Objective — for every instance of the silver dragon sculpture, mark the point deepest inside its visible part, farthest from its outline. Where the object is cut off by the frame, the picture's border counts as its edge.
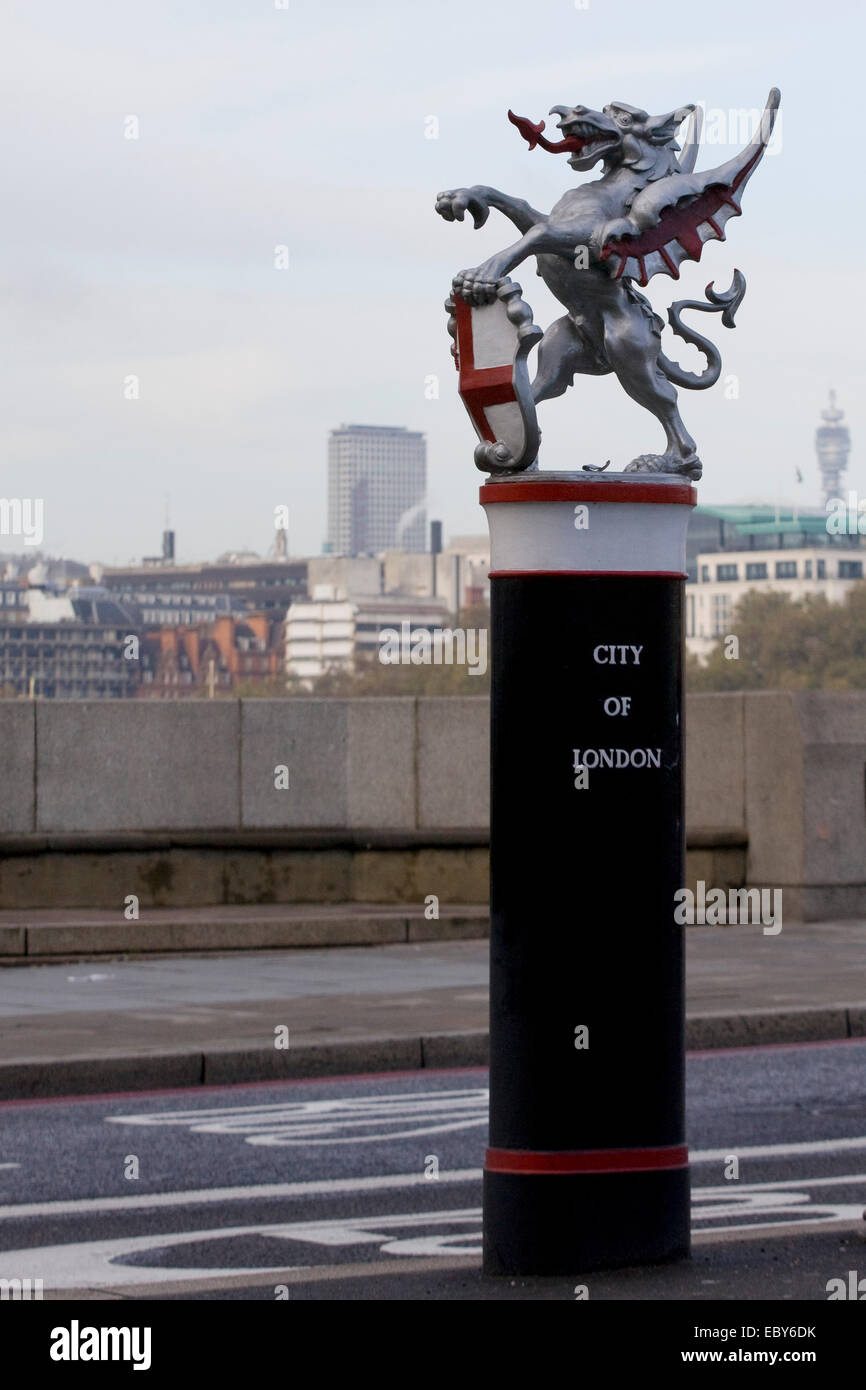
(647, 213)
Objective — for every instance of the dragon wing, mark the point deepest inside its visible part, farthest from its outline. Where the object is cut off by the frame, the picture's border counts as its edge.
(674, 217)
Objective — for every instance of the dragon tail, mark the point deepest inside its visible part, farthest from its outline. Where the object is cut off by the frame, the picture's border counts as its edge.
(726, 304)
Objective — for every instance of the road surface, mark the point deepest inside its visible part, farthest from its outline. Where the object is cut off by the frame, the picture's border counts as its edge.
(370, 1188)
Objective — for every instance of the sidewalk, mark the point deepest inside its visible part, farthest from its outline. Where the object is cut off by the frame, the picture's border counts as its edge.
(41, 934)
(191, 1020)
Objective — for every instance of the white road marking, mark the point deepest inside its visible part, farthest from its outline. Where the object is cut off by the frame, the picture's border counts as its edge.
(342, 1120)
(809, 1146)
(99, 1263)
(720, 1205)
(835, 1181)
(830, 1218)
(336, 1186)
(89, 1264)
(322, 1187)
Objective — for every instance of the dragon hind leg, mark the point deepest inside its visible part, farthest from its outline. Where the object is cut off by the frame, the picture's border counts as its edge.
(563, 354)
(633, 349)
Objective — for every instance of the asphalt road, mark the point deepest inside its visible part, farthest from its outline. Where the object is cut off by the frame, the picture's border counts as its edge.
(370, 1188)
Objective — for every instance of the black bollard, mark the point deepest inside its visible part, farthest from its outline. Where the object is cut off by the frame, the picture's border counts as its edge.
(587, 1165)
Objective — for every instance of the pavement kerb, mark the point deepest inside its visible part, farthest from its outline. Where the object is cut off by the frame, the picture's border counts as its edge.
(43, 1078)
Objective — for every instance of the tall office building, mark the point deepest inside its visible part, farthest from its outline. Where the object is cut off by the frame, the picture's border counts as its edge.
(377, 484)
(832, 445)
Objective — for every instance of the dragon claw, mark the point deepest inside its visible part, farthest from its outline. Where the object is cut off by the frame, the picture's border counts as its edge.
(688, 465)
(475, 288)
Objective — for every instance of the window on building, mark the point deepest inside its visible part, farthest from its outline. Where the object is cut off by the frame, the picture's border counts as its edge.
(756, 570)
(727, 572)
(807, 569)
(850, 569)
(786, 569)
(821, 567)
(705, 574)
(721, 614)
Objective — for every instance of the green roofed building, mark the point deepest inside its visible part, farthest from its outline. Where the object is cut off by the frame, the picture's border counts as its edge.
(763, 545)
(760, 527)
(734, 549)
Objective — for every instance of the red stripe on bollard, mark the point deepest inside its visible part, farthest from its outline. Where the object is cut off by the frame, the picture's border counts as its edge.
(587, 1160)
(582, 574)
(538, 490)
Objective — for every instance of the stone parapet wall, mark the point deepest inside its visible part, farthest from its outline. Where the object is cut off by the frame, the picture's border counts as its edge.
(174, 795)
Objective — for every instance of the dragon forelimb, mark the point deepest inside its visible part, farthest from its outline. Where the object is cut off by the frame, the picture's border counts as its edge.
(517, 210)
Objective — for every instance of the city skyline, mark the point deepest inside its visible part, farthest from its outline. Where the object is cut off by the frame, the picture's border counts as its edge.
(831, 448)
(194, 227)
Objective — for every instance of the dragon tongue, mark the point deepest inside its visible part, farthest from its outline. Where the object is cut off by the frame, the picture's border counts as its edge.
(531, 132)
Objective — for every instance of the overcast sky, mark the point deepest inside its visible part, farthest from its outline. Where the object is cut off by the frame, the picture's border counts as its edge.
(307, 127)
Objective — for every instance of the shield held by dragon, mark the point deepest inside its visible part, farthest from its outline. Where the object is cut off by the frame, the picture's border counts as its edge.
(491, 345)
(647, 213)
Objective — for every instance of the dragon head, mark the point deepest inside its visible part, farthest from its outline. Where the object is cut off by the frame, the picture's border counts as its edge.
(589, 135)
(620, 134)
